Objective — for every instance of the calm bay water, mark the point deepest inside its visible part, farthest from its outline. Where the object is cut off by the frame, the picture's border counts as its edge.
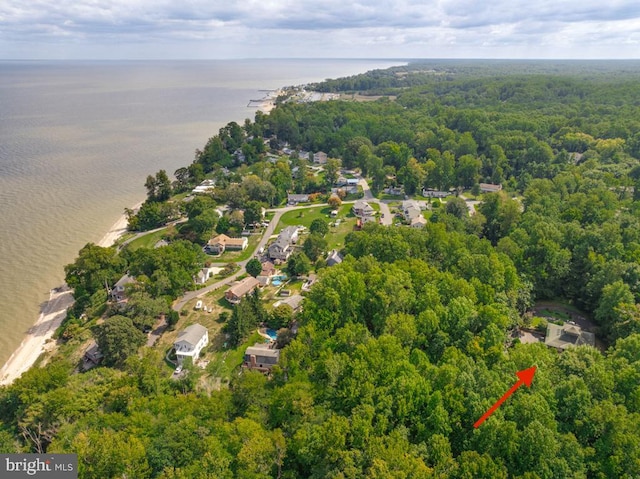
(77, 140)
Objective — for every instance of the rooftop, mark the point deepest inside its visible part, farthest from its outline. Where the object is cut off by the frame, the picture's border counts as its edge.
(567, 335)
(192, 334)
(244, 286)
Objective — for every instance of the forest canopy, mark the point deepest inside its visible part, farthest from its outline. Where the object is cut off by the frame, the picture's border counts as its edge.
(410, 339)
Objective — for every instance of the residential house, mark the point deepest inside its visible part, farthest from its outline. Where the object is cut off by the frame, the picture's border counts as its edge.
(334, 258)
(190, 342)
(567, 335)
(239, 156)
(268, 271)
(206, 273)
(430, 193)
(320, 158)
(311, 279)
(410, 210)
(205, 187)
(239, 290)
(261, 358)
(490, 188)
(282, 247)
(363, 209)
(394, 191)
(295, 199)
(118, 292)
(221, 243)
(418, 222)
(294, 301)
(92, 357)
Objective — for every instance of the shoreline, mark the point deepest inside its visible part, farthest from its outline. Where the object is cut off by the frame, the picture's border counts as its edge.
(38, 337)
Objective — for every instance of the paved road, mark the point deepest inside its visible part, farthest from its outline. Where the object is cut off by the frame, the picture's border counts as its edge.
(144, 233)
(268, 232)
(386, 220)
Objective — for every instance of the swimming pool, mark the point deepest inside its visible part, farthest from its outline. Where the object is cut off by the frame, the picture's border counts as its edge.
(277, 280)
(272, 333)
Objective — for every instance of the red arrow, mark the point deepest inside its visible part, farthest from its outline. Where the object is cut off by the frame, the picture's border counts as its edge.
(525, 377)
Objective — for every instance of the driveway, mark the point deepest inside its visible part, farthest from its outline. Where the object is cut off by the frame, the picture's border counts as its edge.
(385, 214)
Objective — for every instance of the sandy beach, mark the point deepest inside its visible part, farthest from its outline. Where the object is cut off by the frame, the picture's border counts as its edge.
(51, 316)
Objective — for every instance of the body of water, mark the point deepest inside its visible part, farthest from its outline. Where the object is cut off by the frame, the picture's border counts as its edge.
(78, 139)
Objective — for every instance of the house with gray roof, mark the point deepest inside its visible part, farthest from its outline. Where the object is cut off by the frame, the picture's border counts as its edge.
(282, 247)
(293, 199)
(334, 258)
(118, 292)
(362, 209)
(190, 342)
(567, 335)
(261, 358)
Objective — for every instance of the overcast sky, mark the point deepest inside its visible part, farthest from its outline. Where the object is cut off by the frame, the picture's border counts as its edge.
(184, 29)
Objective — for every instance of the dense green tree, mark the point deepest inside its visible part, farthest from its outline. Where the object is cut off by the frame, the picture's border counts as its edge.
(319, 226)
(252, 212)
(314, 246)
(158, 187)
(254, 267)
(118, 338)
(331, 171)
(298, 264)
(96, 268)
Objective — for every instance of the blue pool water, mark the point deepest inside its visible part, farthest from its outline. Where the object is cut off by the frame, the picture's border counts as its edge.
(272, 333)
(277, 280)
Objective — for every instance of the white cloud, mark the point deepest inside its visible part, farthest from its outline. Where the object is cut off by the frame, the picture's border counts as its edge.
(398, 28)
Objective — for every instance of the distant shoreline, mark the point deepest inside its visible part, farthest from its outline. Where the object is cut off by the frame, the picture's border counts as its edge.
(52, 314)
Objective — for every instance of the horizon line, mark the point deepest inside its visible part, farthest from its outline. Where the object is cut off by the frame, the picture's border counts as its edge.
(402, 59)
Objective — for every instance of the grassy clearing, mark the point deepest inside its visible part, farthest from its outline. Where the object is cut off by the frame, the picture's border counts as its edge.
(147, 241)
(388, 197)
(305, 216)
(225, 361)
(337, 234)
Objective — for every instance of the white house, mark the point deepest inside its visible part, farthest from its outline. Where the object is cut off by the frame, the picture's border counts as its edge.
(190, 342)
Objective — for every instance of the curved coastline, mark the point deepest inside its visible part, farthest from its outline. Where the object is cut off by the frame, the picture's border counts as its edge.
(52, 313)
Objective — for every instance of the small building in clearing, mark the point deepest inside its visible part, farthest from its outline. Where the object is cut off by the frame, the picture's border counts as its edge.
(567, 335)
(190, 342)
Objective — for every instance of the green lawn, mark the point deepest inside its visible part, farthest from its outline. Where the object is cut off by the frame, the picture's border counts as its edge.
(303, 217)
(336, 235)
(147, 241)
(225, 361)
(385, 196)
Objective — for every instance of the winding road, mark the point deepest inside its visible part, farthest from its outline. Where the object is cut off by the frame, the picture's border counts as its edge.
(386, 219)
